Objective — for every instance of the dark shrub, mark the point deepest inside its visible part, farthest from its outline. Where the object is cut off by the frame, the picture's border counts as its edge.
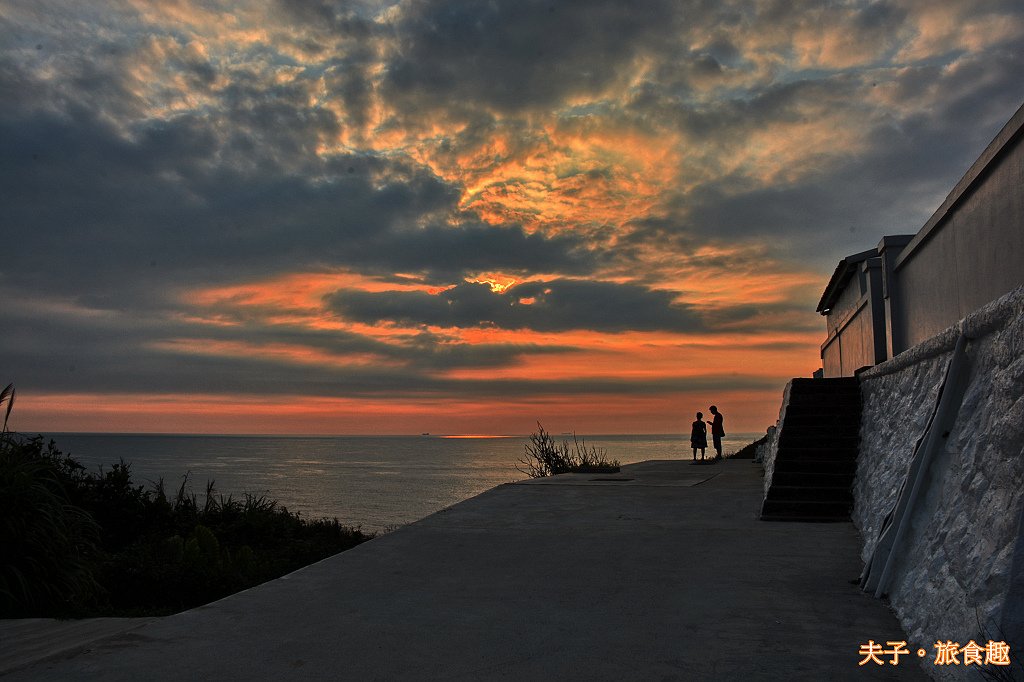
(50, 546)
(79, 543)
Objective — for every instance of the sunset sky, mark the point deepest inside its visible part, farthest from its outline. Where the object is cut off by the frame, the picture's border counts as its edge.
(460, 217)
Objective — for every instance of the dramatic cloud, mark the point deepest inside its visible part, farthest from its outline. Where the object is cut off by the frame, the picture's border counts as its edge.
(405, 209)
(557, 305)
(516, 55)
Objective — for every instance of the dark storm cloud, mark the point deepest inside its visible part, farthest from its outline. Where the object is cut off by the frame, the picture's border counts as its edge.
(109, 355)
(87, 208)
(114, 352)
(245, 375)
(237, 188)
(510, 57)
(901, 171)
(349, 19)
(349, 81)
(514, 55)
(444, 254)
(557, 305)
(144, 153)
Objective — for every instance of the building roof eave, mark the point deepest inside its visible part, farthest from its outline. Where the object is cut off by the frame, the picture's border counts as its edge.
(844, 270)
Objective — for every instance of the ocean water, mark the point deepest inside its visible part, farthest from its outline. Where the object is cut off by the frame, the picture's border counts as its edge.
(372, 482)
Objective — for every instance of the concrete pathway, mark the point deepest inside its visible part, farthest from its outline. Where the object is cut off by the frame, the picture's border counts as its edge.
(660, 572)
(26, 640)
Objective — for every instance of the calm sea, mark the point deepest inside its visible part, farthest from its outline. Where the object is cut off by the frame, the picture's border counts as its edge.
(373, 482)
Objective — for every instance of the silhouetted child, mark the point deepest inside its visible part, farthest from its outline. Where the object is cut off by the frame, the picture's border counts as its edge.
(699, 436)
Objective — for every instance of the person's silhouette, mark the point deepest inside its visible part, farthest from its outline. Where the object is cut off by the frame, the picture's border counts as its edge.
(699, 436)
(717, 430)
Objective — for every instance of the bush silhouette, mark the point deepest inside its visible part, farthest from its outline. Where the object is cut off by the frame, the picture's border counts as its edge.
(546, 457)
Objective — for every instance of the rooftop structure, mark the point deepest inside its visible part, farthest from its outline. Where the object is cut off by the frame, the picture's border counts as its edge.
(907, 289)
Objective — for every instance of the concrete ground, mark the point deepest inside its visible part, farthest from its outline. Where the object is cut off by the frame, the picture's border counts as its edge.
(660, 572)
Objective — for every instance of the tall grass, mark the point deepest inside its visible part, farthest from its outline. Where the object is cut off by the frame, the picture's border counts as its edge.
(7, 396)
(80, 543)
(50, 545)
(545, 457)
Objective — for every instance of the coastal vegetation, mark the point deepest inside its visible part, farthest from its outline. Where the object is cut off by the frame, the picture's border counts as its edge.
(749, 451)
(544, 456)
(79, 543)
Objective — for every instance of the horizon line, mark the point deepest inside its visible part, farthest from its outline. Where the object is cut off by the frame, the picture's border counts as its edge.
(341, 435)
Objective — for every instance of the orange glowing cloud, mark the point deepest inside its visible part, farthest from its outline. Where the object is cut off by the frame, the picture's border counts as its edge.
(576, 176)
(299, 292)
(498, 282)
(275, 352)
(644, 356)
(575, 173)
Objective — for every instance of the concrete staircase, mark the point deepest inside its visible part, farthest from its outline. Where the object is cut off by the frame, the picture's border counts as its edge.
(817, 454)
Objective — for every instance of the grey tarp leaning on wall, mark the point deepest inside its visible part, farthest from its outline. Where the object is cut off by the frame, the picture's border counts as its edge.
(878, 570)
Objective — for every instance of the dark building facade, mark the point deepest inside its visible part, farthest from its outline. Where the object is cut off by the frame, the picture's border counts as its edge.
(885, 300)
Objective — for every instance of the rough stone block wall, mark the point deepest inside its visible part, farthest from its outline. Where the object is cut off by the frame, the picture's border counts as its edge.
(771, 446)
(956, 566)
(896, 408)
(764, 448)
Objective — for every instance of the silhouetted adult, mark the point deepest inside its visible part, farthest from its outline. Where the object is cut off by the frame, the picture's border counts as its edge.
(717, 430)
(699, 436)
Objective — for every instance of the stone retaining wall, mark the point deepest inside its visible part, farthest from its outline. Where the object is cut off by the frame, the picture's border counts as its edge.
(956, 567)
(764, 450)
(771, 446)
